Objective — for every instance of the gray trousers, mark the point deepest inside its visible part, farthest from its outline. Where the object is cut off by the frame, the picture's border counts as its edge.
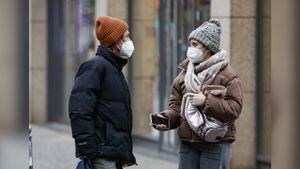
(204, 156)
(101, 163)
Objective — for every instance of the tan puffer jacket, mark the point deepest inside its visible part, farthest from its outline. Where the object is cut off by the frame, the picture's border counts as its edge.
(225, 109)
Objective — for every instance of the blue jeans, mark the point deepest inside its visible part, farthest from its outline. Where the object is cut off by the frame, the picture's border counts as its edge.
(204, 155)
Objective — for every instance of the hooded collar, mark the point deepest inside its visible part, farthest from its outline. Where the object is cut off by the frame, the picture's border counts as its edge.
(113, 58)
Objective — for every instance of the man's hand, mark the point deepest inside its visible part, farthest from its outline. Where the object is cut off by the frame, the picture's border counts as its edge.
(197, 99)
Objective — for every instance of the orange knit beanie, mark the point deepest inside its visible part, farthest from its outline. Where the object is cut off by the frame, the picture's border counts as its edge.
(109, 30)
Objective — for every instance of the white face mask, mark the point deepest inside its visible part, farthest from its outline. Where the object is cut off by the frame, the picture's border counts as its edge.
(127, 49)
(194, 55)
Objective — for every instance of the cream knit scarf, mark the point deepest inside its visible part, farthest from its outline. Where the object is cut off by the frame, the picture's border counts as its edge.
(204, 72)
(195, 78)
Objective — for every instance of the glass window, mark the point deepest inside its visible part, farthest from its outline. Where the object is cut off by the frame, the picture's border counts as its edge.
(176, 20)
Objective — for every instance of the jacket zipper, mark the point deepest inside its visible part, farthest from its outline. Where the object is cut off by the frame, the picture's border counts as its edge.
(128, 109)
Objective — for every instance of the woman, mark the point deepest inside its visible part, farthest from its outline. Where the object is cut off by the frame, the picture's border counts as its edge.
(205, 65)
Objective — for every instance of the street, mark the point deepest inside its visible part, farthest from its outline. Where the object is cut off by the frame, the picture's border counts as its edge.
(53, 148)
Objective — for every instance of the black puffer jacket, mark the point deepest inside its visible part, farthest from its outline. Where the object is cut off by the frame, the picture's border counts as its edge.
(99, 109)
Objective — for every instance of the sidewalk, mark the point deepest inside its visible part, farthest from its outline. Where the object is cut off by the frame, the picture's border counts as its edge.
(53, 148)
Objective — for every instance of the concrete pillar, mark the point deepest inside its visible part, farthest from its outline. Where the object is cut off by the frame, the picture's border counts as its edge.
(11, 49)
(101, 7)
(144, 64)
(285, 137)
(243, 50)
(144, 59)
(71, 62)
(266, 126)
(220, 9)
(117, 9)
(238, 38)
(38, 61)
(100, 10)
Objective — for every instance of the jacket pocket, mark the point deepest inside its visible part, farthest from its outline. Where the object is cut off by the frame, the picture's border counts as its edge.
(86, 146)
(100, 132)
(113, 136)
(117, 145)
(184, 131)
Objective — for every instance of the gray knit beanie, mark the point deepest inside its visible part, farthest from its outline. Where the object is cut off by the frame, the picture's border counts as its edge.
(208, 34)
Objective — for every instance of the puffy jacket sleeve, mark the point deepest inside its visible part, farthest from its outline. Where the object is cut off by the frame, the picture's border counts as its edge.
(226, 108)
(173, 111)
(82, 102)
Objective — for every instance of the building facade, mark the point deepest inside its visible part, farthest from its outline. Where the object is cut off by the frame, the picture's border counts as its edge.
(62, 36)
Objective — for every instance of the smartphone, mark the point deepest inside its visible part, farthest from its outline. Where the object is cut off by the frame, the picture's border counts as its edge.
(159, 119)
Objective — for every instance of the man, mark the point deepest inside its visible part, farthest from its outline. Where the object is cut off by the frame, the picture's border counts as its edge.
(99, 104)
(206, 65)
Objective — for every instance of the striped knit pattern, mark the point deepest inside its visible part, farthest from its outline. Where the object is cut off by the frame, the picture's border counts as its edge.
(109, 30)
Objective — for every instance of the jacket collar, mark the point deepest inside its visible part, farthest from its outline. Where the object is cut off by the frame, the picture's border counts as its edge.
(113, 58)
(183, 65)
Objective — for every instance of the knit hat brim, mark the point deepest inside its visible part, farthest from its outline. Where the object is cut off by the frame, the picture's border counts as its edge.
(209, 43)
(115, 35)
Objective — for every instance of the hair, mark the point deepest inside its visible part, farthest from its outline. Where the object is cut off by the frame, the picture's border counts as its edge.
(200, 43)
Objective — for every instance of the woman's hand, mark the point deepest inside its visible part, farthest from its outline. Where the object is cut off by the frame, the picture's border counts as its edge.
(197, 99)
(159, 127)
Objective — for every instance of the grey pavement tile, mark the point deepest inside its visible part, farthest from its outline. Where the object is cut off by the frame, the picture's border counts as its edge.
(53, 148)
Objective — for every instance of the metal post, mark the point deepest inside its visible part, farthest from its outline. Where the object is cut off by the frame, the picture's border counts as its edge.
(30, 149)
(261, 160)
(56, 57)
(162, 54)
(130, 23)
